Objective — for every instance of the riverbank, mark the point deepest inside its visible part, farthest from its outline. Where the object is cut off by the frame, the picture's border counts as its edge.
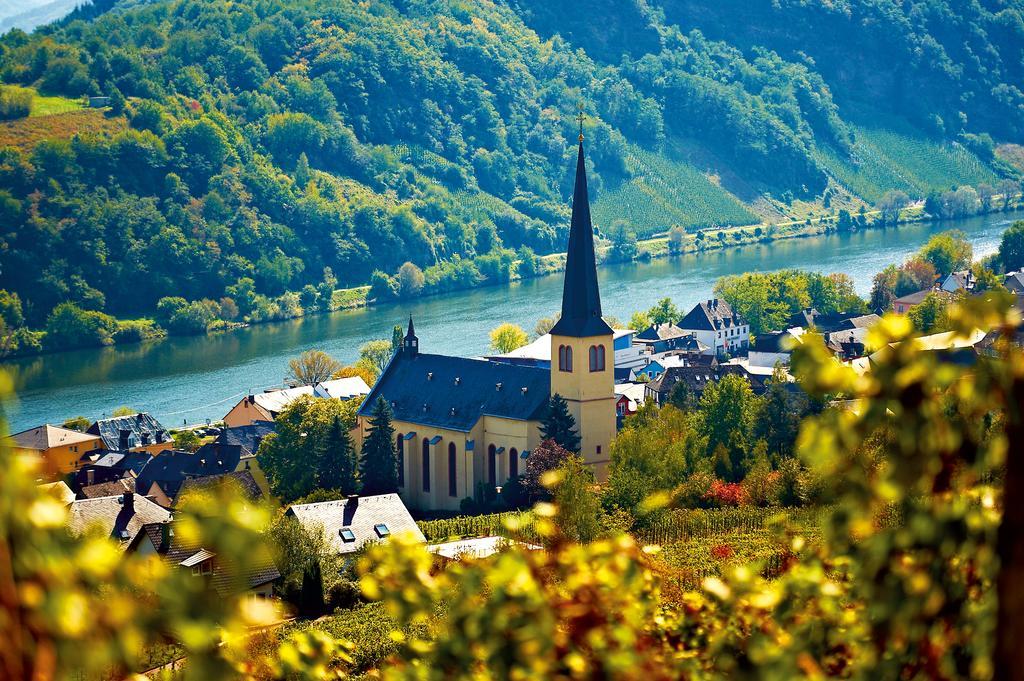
(699, 241)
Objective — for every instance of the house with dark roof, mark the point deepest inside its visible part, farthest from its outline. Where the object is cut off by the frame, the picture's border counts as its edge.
(267, 405)
(697, 378)
(461, 422)
(107, 489)
(119, 517)
(1014, 282)
(811, 318)
(58, 449)
(255, 573)
(103, 466)
(659, 338)
(134, 433)
(714, 323)
(348, 524)
(164, 475)
(903, 304)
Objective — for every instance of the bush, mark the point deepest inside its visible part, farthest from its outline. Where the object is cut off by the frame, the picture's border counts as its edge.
(343, 594)
(693, 492)
(137, 330)
(15, 104)
(726, 494)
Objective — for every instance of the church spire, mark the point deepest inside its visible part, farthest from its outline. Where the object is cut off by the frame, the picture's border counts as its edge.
(581, 299)
(410, 344)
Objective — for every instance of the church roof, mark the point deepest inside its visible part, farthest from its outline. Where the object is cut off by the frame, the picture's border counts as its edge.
(454, 392)
(581, 299)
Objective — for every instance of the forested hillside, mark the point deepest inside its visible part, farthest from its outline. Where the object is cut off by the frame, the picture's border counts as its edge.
(258, 154)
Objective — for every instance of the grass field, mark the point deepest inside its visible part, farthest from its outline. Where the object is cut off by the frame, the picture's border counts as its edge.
(665, 192)
(25, 133)
(43, 105)
(898, 158)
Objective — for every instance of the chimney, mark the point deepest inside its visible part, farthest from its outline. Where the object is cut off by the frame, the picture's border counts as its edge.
(352, 501)
(90, 477)
(122, 439)
(128, 501)
(165, 535)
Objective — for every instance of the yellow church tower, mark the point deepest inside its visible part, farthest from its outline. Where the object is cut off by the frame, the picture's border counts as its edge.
(582, 351)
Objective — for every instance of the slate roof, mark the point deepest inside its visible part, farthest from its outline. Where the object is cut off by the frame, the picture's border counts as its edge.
(108, 467)
(247, 437)
(1014, 281)
(244, 479)
(113, 517)
(710, 315)
(60, 490)
(697, 378)
(360, 515)
(809, 317)
(173, 467)
(257, 569)
(46, 436)
(107, 489)
(772, 342)
(918, 297)
(581, 296)
(454, 392)
(141, 428)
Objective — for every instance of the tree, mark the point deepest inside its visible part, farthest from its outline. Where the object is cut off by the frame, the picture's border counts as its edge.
(69, 326)
(311, 599)
(559, 425)
(948, 252)
(117, 102)
(303, 176)
(361, 369)
(1011, 247)
(123, 410)
(337, 465)
(545, 457)
(79, 423)
(930, 315)
(312, 367)
(624, 244)
(664, 312)
(676, 239)
(891, 205)
(377, 354)
(297, 453)
(730, 410)
(639, 321)
(508, 337)
(378, 465)
(397, 336)
(778, 421)
(410, 280)
(545, 324)
(578, 506)
(1009, 190)
(186, 440)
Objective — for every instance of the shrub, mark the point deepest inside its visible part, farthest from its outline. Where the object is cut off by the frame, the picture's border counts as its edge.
(726, 494)
(15, 104)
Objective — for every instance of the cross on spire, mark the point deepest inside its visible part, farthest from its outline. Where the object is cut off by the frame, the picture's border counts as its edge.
(581, 117)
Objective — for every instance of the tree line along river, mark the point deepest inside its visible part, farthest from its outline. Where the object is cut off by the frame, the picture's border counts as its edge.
(192, 379)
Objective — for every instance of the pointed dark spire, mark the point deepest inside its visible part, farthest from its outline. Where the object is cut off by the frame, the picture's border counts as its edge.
(581, 299)
(410, 344)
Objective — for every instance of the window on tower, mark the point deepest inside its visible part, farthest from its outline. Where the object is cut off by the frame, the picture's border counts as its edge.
(597, 358)
(564, 358)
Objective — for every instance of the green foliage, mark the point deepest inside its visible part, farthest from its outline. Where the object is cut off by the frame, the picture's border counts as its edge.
(378, 463)
(186, 440)
(376, 354)
(559, 425)
(948, 252)
(1011, 247)
(931, 314)
(508, 337)
(15, 103)
(312, 367)
(729, 409)
(69, 326)
(767, 299)
(459, 527)
(79, 423)
(578, 505)
(300, 456)
(337, 465)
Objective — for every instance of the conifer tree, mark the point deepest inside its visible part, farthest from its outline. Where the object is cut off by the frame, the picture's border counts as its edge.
(302, 172)
(337, 460)
(397, 336)
(559, 425)
(379, 464)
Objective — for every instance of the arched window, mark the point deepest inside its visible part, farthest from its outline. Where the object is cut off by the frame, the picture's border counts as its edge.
(513, 463)
(600, 358)
(400, 448)
(453, 486)
(565, 358)
(426, 465)
(492, 466)
(592, 356)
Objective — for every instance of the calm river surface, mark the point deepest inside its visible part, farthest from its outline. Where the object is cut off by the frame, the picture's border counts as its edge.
(199, 378)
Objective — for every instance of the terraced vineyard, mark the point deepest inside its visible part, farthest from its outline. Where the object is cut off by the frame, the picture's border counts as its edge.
(891, 158)
(664, 192)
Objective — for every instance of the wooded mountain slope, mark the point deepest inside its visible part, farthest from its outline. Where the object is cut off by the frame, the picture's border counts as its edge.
(268, 140)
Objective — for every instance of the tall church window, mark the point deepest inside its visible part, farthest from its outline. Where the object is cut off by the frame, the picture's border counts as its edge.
(597, 358)
(564, 358)
(492, 466)
(513, 463)
(426, 465)
(453, 487)
(400, 448)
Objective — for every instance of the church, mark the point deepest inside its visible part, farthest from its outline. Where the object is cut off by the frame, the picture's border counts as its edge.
(460, 421)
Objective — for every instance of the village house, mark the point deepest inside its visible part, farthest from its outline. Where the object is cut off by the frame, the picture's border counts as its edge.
(59, 448)
(697, 378)
(903, 304)
(658, 338)
(119, 517)
(103, 466)
(254, 574)
(809, 318)
(1014, 282)
(628, 399)
(134, 433)
(162, 479)
(347, 524)
(714, 324)
(958, 281)
(461, 422)
(267, 405)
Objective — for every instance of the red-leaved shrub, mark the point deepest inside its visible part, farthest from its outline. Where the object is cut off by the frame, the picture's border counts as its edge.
(727, 494)
(721, 551)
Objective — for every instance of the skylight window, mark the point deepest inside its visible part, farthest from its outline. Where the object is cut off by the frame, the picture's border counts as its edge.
(382, 530)
(347, 535)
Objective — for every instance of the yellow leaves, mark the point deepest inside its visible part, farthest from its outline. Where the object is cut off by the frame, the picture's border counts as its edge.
(98, 558)
(46, 513)
(717, 588)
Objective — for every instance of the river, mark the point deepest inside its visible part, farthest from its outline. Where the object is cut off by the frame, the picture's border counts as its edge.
(193, 379)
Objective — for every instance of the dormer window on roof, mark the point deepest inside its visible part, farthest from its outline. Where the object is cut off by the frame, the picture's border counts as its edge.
(382, 530)
(347, 535)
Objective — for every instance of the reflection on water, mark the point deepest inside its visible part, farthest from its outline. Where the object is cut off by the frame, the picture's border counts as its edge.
(197, 378)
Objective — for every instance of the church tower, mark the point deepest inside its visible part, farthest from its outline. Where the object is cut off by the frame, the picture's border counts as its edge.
(582, 351)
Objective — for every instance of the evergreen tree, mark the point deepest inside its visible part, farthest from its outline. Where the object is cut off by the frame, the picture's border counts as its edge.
(311, 598)
(302, 172)
(397, 336)
(117, 102)
(379, 464)
(336, 463)
(559, 425)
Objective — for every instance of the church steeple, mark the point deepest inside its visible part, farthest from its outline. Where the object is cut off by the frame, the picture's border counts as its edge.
(581, 299)
(410, 344)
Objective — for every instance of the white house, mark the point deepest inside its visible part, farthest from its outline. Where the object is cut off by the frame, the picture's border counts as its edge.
(715, 325)
(267, 405)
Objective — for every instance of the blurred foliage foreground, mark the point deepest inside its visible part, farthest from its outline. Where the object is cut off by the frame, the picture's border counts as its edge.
(915, 599)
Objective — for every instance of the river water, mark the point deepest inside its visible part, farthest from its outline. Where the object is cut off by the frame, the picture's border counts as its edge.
(193, 379)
